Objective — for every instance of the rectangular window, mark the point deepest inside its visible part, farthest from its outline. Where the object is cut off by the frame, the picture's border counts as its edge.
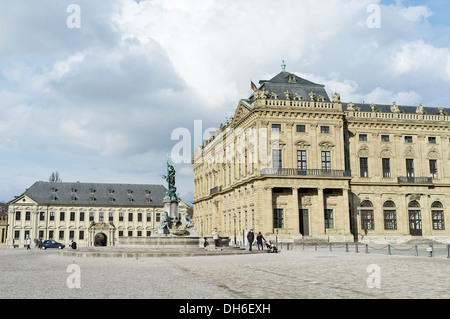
(326, 161)
(433, 169)
(17, 234)
(139, 217)
(17, 215)
(91, 216)
(149, 217)
(71, 234)
(367, 219)
(276, 159)
(385, 138)
(130, 217)
(301, 160)
(81, 235)
(120, 217)
(328, 214)
(100, 217)
(72, 216)
(81, 216)
(51, 234)
(158, 217)
(41, 216)
(276, 127)
(301, 128)
(130, 233)
(325, 129)
(363, 137)
(386, 163)
(410, 168)
(62, 215)
(364, 166)
(27, 215)
(52, 216)
(432, 140)
(408, 139)
(61, 235)
(438, 219)
(41, 234)
(390, 220)
(278, 218)
(111, 217)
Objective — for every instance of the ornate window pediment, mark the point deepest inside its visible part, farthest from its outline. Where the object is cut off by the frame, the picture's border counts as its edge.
(326, 145)
(302, 144)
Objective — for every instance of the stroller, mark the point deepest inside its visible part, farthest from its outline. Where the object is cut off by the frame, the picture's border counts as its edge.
(271, 248)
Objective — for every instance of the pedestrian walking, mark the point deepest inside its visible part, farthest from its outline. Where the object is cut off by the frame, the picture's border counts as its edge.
(28, 243)
(259, 240)
(40, 243)
(216, 237)
(250, 238)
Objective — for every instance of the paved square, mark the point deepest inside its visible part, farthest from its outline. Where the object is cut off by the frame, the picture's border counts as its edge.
(293, 274)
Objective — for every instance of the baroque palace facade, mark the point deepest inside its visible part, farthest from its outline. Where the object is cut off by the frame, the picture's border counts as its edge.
(295, 164)
(91, 214)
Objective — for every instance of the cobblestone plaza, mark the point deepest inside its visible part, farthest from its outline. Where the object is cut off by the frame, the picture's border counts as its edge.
(292, 274)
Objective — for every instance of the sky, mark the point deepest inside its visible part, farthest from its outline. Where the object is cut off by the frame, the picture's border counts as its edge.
(100, 90)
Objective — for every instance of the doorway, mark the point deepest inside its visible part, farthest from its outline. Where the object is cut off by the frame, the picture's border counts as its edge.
(304, 222)
(415, 223)
(100, 239)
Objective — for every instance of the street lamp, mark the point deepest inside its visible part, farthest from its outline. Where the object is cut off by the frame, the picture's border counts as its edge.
(234, 217)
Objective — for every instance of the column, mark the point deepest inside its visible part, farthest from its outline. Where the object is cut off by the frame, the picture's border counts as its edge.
(319, 227)
(268, 210)
(295, 220)
(346, 212)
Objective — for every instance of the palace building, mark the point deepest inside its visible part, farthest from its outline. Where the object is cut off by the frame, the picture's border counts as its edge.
(295, 164)
(91, 214)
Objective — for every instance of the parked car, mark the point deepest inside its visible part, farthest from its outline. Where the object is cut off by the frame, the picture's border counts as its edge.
(52, 244)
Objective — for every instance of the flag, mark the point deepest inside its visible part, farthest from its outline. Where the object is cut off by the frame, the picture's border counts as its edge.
(254, 88)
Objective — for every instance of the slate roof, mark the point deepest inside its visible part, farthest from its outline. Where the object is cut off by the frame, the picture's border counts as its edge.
(76, 193)
(280, 84)
(384, 108)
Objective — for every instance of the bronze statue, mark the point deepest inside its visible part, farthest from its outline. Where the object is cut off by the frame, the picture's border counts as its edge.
(171, 192)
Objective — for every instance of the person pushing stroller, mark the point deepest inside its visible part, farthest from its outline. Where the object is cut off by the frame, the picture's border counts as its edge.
(271, 248)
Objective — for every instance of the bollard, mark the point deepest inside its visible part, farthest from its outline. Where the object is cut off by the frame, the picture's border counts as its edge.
(430, 250)
(346, 248)
(416, 252)
(303, 246)
(356, 248)
(331, 248)
(367, 248)
(315, 245)
(389, 250)
(448, 251)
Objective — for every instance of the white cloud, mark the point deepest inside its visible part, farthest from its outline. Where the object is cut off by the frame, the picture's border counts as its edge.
(101, 101)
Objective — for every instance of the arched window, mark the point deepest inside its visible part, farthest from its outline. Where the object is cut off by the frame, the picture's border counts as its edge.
(414, 203)
(415, 218)
(367, 218)
(437, 216)
(390, 215)
(366, 203)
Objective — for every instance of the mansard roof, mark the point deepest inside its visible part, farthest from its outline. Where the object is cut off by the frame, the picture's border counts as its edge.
(385, 108)
(295, 85)
(76, 193)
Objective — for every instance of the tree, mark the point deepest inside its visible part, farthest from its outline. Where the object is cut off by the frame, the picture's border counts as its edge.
(54, 177)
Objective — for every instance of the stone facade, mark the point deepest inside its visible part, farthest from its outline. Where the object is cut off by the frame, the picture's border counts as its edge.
(296, 164)
(88, 213)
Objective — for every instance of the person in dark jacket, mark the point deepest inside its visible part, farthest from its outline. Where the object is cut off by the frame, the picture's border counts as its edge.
(250, 238)
(259, 240)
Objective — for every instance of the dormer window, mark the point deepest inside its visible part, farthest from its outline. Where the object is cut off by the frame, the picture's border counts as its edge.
(292, 79)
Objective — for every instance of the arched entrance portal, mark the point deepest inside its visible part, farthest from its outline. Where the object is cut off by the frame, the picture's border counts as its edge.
(100, 239)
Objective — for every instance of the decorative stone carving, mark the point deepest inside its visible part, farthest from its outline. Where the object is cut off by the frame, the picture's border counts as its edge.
(394, 108)
(336, 97)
